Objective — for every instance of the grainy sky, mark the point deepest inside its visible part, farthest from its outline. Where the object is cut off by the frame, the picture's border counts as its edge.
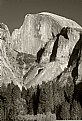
(12, 12)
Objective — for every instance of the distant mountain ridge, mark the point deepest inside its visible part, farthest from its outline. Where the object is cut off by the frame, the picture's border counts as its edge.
(44, 47)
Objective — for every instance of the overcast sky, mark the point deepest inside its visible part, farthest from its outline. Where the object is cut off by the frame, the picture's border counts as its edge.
(12, 12)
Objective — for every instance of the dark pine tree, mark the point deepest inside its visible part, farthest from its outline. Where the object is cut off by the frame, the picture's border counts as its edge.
(42, 99)
(29, 100)
(76, 111)
(36, 100)
(24, 92)
(49, 98)
(65, 111)
(3, 103)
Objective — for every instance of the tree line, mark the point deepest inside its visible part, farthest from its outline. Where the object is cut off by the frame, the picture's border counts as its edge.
(48, 97)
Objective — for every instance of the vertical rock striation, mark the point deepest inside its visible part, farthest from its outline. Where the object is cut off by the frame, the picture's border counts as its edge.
(42, 48)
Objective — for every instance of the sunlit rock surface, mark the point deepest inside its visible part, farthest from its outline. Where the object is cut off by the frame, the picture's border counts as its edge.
(40, 50)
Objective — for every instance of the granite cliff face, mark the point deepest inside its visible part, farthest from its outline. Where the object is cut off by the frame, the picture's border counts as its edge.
(45, 47)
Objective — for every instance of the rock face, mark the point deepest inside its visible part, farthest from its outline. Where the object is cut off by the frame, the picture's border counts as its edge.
(8, 66)
(44, 47)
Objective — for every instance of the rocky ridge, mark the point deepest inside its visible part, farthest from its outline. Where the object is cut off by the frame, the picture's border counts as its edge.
(46, 47)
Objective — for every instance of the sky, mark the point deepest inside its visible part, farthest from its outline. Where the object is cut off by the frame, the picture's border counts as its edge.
(12, 12)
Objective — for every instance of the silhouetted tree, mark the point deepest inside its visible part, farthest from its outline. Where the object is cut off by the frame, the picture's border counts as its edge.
(24, 92)
(76, 111)
(29, 100)
(69, 90)
(65, 111)
(3, 102)
(49, 97)
(42, 99)
(57, 100)
(36, 100)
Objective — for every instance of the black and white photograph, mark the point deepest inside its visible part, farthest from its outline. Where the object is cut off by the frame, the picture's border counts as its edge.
(40, 60)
